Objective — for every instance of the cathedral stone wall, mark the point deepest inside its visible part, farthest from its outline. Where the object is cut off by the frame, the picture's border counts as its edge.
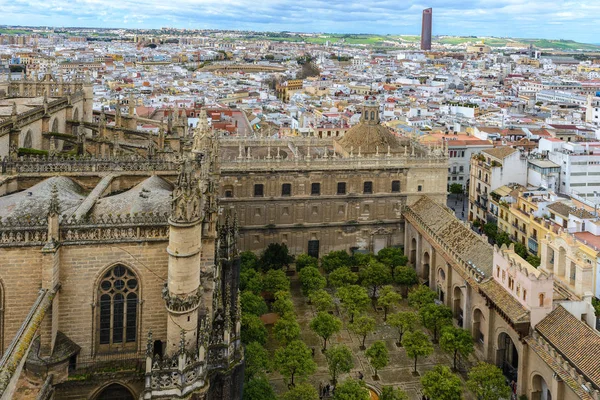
(81, 267)
(21, 277)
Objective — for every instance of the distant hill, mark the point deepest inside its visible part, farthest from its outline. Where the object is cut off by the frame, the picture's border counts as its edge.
(384, 40)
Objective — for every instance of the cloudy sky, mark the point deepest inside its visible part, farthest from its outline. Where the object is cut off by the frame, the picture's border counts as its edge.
(552, 19)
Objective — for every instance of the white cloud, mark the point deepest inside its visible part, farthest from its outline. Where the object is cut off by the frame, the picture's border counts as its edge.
(517, 18)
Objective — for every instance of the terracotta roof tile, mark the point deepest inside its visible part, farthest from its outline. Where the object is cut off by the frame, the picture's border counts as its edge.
(469, 245)
(500, 152)
(575, 340)
(504, 301)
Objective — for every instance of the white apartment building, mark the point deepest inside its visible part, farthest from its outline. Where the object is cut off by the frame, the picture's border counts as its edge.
(579, 163)
(460, 153)
(491, 169)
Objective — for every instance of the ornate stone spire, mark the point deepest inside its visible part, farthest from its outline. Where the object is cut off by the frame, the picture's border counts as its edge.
(54, 207)
(185, 204)
(202, 133)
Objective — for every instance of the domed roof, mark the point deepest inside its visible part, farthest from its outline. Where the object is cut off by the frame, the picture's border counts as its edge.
(34, 202)
(151, 195)
(370, 138)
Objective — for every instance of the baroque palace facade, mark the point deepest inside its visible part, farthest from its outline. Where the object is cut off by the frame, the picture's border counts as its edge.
(119, 270)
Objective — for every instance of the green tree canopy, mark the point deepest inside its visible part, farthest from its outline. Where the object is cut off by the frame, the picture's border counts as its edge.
(403, 321)
(417, 344)
(502, 238)
(441, 384)
(302, 391)
(251, 280)
(406, 277)
(456, 188)
(389, 393)
(354, 299)
(378, 355)
(521, 250)
(456, 341)
(311, 280)
(322, 300)
(335, 260)
(253, 303)
(294, 360)
(388, 298)
(253, 329)
(283, 304)
(275, 256)
(491, 230)
(304, 260)
(257, 360)
(339, 361)
(258, 388)
(487, 382)
(435, 316)
(276, 280)
(535, 261)
(362, 326)
(375, 275)
(342, 276)
(420, 296)
(392, 257)
(286, 329)
(363, 259)
(248, 260)
(351, 389)
(325, 325)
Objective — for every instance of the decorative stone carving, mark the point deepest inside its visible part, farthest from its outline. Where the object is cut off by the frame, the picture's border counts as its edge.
(185, 204)
(179, 303)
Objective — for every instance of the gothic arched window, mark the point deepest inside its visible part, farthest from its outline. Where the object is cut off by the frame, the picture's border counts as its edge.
(118, 299)
(28, 140)
(372, 115)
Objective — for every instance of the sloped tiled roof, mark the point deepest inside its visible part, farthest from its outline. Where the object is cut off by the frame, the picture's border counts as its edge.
(560, 208)
(504, 301)
(576, 341)
(499, 152)
(469, 245)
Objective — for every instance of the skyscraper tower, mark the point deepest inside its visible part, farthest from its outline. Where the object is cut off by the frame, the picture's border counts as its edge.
(426, 29)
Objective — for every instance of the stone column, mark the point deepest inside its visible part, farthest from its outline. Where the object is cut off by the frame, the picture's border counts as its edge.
(51, 276)
(183, 292)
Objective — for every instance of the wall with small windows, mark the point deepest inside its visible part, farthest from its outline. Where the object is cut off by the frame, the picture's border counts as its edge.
(532, 287)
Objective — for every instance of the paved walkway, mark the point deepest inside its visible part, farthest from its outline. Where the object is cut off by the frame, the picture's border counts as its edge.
(460, 205)
(398, 373)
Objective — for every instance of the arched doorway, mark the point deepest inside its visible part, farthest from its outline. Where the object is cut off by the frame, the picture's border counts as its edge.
(28, 140)
(458, 306)
(549, 258)
(115, 391)
(507, 357)
(562, 262)
(425, 268)
(54, 125)
(413, 251)
(478, 325)
(441, 284)
(75, 125)
(540, 389)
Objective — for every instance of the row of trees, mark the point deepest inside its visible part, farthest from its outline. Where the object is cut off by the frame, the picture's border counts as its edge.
(500, 238)
(486, 381)
(358, 282)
